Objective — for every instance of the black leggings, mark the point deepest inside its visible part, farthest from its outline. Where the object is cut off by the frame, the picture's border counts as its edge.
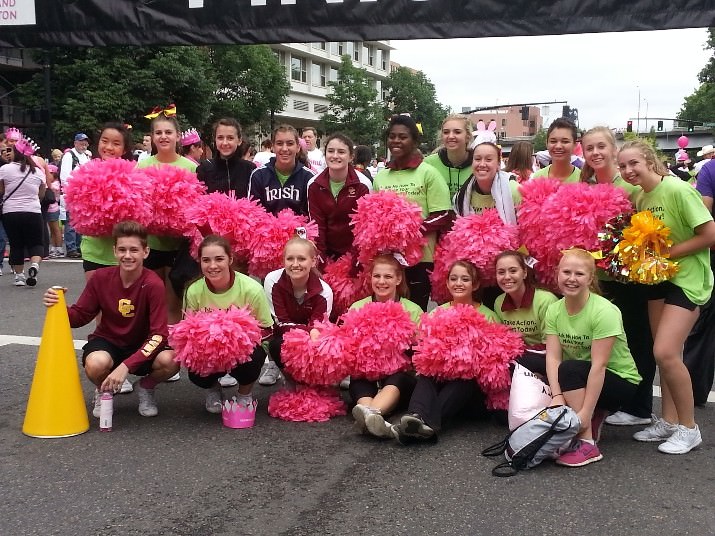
(419, 284)
(24, 233)
(573, 375)
(404, 381)
(435, 401)
(245, 373)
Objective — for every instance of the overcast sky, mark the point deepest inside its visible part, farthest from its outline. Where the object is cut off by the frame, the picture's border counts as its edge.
(600, 74)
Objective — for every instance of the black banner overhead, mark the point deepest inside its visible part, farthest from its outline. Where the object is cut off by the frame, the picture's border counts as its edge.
(41, 23)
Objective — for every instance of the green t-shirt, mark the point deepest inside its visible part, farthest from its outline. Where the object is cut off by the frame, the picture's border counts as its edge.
(422, 185)
(336, 187)
(282, 178)
(414, 310)
(681, 208)
(531, 321)
(166, 243)
(630, 189)
(598, 319)
(453, 177)
(244, 292)
(480, 202)
(98, 249)
(486, 311)
(546, 172)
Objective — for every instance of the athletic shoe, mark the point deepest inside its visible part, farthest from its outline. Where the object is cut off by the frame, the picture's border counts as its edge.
(20, 280)
(659, 430)
(214, 399)
(270, 374)
(97, 403)
(127, 387)
(360, 413)
(378, 427)
(147, 403)
(175, 378)
(73, 255)
(682, 441)
(0, 269)
(32, 275)
(55, 254)
(345, 383)
(621, 418)
(228, 381)
(599, 416)
(412, 425)
(581, 453)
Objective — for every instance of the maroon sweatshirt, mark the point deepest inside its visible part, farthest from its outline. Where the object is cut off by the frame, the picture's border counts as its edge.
(288, 312)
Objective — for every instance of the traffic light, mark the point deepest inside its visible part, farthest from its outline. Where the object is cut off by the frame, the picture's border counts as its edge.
(629, 126)
(691, 127)
(566, 112)
(660, 126)
(524, 113)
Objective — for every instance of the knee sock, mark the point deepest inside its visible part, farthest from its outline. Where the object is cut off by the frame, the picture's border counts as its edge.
(148, 382)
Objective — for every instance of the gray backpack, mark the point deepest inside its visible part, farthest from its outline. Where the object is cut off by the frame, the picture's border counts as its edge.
(537, 439)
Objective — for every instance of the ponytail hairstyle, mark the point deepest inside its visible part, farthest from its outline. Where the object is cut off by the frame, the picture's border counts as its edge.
(162, 117)
(585, 256)
(474, 275)
(648, 153)
(587, 171)
(403, 290)
(302, 156)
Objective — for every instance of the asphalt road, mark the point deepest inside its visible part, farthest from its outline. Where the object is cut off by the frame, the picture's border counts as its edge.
(182, 473)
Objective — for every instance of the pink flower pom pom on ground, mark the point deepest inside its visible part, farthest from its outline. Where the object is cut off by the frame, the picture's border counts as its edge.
(378, 336)
(306, 404)
(478, 238)
(388, 222)
(498, 400)
(269, 239)
(210, 342)
(101, 193)
(320, 362)
(173, 189)
(346, 289)
(225, 215)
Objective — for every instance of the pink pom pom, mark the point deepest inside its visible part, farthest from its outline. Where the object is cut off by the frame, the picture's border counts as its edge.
(269, 239)
(306, 404)
(174, 189)
(555, 216)
(478, 238)
(388, 222)
(320, 362)
(100, 194)
(460, 343)
(498, 400)
(379, 334)
(346, 290)
(225, 215)
(208, 342)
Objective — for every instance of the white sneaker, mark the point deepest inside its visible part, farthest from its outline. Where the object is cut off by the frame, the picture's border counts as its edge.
(270, 374)
(175, 378)
(97, 403)
(20, 280)
(32, 274)
(214, 399)
(360, 413)
(345, 383)
(228, 381)
(378, 426)
(127, 387)
(682, 441)
(660, 430)
(621, 418)
(147, 403)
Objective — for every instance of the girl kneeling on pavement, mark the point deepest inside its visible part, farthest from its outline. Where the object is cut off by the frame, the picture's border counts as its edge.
(374, 400)
(220, 288)
(434, 401)
(588, 363)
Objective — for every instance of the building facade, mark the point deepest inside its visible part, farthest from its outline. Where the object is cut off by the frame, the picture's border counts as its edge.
(509, 121)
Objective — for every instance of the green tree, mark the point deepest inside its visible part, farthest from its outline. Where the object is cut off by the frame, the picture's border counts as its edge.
(251, 82)
(93, 85)
(353, 107)
(539, 140)
(414, 93)
(700, 105)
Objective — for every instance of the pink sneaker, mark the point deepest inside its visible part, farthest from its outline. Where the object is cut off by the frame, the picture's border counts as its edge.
(579, 454)
(599, 417)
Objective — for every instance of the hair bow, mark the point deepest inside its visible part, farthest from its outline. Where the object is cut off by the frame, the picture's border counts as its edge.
(158, 110)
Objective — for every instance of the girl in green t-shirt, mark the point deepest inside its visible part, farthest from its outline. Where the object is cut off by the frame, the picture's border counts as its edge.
(374, 400)
(560, 142)
(673, 306)
(220, 287)
(453, 161)
(434, 401)
(588, 364)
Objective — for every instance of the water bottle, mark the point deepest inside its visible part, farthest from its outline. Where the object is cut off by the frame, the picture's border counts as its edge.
(106, 409)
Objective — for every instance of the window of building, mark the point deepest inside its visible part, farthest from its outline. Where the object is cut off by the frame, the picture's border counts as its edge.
(381, 59)
(298, 69)
(365, 53)
(318, 75)
(503, 122)
(370, 56)
(333, 74)
(349, 45)
(301, 105)
(356, 51)
(334, 48)
(341, 48)
(321, 46)
(532, 124)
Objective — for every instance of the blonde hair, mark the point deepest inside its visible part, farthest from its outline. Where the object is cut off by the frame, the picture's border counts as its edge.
(587, 172)
(303, 242)
(586, 257)
(648, 153)
(465, 121)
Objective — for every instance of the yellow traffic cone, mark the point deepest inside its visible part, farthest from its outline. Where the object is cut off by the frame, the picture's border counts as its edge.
(56, 405)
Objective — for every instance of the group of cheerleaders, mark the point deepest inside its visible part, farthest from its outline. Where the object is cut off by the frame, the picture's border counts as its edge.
(577, 342)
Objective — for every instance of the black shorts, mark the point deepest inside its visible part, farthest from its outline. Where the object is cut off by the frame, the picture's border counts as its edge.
(118, 354)
(159, 259)
(89, 266)
(671, 293)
